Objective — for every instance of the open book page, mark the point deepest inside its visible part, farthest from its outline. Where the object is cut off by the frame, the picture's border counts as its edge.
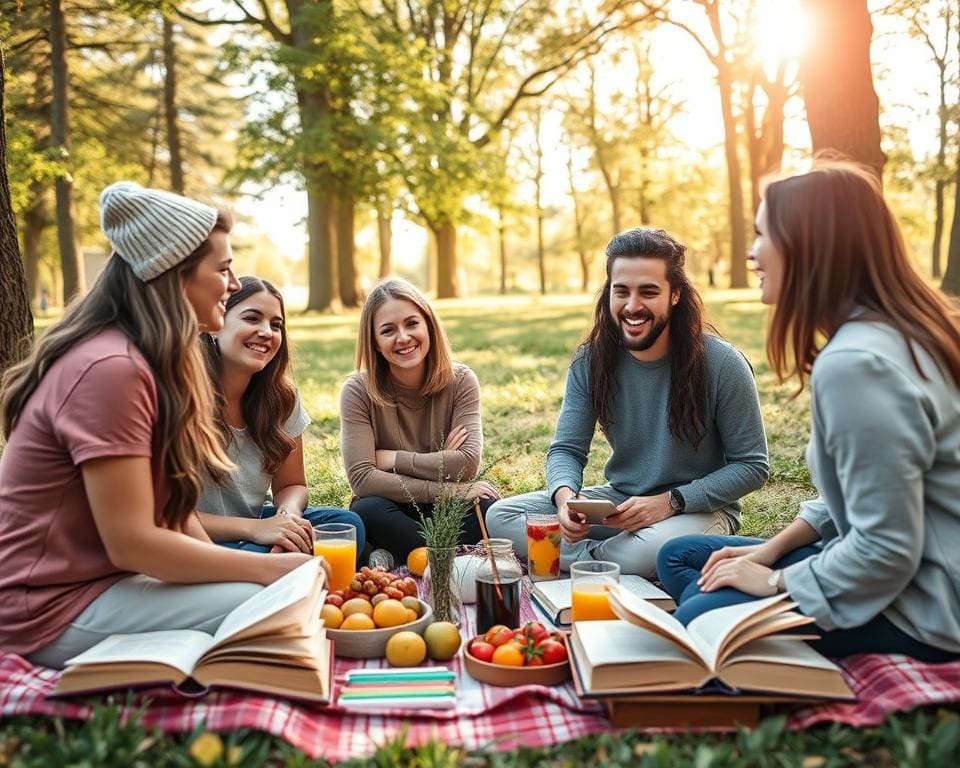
(777, 624)
(710, 630)
(614, 656)
(179, 648)
(296, 586)
(638, 611)
(786, 666)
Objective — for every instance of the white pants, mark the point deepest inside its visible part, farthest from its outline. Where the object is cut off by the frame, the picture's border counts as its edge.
(635, 552)
(144, 604)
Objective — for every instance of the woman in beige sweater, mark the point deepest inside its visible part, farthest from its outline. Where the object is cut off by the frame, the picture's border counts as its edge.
(409, 421)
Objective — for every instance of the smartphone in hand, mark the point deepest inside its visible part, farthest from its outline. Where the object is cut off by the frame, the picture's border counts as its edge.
(592, 511)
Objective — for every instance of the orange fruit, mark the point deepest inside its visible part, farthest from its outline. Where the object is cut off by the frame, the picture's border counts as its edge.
(389, 613)
(332, 616)
(417, 561)
(413, 604)
(442, 639)
(406, 649)
(508, 655)
(412, 615)
(358, 621)
(357, 605)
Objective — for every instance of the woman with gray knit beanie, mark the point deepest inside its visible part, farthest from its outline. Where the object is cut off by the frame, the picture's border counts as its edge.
(109, 428)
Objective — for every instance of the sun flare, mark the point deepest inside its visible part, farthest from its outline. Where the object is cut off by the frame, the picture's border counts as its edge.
(780, 32)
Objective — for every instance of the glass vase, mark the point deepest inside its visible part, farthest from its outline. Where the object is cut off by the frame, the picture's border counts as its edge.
(440, 588)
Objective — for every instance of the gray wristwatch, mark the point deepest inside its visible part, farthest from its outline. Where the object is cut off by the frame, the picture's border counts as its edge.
(676, 501)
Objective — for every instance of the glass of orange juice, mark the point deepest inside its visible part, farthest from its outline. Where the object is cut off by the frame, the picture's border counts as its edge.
(589, 580)
(543, 546)
(337, 542)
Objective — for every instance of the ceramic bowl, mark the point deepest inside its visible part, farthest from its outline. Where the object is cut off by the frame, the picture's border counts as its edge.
(506, 677)
(372, 643)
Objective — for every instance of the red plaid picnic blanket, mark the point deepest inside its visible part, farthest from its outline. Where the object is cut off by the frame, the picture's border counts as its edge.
(502, 718)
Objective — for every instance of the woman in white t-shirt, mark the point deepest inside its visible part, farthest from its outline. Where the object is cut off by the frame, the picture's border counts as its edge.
(262, 421)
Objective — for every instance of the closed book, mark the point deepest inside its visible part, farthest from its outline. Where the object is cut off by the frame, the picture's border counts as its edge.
(746, 647)
(272, 643)
(555, 597)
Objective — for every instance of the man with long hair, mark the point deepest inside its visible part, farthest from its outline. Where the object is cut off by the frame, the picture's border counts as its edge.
(677, 404)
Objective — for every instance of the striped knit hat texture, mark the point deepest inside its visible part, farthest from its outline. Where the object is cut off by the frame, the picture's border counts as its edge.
(153, 230)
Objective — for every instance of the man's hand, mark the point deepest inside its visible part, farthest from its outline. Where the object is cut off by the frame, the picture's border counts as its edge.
(641, 511)
(285, 532)
(740, 573)
(571, 528)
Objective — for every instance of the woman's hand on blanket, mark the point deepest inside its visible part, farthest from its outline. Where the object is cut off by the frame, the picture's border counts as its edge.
(743, 573)
(758, 553)
(285, 532)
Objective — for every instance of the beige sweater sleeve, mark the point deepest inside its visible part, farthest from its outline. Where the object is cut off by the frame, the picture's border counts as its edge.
(462, 464)
(358, 447)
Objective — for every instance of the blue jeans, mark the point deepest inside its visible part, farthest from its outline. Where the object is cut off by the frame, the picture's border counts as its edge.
(315, 516)
(681, 560)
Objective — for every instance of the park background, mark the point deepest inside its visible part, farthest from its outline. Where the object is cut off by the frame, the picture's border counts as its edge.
(486, 150)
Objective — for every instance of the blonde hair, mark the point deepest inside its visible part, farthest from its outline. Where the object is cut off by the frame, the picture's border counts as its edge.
(439, 360)
(842, 249)
(159, 321)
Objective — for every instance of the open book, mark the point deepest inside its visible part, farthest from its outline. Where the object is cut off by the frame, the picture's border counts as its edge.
(741, 646)
(554, 597)
(272, 643)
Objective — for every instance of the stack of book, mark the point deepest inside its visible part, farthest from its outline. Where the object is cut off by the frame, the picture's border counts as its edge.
(646, 666)
(555, 597)
(379, 689)
(272, 643)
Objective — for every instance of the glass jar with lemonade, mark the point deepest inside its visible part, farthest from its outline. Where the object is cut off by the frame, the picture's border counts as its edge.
(543, 546)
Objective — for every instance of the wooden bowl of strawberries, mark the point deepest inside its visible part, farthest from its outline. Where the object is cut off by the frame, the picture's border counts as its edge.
(530, 654)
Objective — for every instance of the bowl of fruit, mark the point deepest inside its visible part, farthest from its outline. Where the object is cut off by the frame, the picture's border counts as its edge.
(363, 617)
(507, 657)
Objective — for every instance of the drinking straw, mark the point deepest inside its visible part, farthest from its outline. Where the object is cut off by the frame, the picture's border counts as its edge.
(486, 542)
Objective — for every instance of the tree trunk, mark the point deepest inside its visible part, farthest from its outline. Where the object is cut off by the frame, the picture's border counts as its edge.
(502, 237)
(16, 322)
(71, 260)
(34, 222)
(538, 185)
(385, 238)
(448, 283)
(578, 224)
(350, 291)
(322, 271)
(951, 277)
(842, 106)
(738, 242)
(170, 107)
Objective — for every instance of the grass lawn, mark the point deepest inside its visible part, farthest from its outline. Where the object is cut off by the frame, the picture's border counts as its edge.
(519, 348)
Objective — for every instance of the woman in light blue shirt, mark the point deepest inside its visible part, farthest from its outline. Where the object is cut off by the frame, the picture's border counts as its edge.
(873, 559)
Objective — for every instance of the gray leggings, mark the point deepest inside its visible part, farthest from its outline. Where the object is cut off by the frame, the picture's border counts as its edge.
(144, 604)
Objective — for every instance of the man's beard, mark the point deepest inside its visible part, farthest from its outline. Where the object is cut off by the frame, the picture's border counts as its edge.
(646, 341)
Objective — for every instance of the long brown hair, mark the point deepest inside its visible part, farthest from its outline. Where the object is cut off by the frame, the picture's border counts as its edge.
(270, 396)
(439, 361)
(842, 249)
(688, 357)
(158, 320)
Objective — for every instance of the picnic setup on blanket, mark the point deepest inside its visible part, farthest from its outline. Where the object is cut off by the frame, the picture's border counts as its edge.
(658, 676)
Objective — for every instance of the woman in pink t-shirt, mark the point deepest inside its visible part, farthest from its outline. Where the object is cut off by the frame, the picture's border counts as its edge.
(109, 434)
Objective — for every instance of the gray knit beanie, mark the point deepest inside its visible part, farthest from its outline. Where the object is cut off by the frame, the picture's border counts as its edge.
(152, 230)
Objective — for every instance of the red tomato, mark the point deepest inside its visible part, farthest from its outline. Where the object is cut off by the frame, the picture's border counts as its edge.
(534, 661)
(535, 631)
(553, 651)
(482, 650)
(501, 636)
(494, 630)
